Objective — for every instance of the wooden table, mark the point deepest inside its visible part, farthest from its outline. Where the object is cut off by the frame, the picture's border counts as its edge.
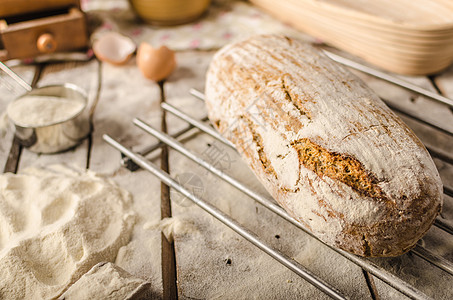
(206, 259)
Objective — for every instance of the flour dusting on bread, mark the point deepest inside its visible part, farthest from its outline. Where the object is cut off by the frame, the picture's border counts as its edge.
(324, 145)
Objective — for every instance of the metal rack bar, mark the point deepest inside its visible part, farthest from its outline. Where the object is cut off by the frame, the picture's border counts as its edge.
(251, 237)
(195, 123)
(438, 154)
(448, 191)
(389, 78)
(425, 120)
(443, 225)
(197, 94)
(377, 271)
(436, 260)
(129, 164)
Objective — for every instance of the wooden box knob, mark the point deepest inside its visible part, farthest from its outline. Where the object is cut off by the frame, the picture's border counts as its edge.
(46, 43)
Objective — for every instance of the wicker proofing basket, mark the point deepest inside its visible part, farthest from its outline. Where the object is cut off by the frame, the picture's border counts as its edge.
(169, 12)
(402, 36)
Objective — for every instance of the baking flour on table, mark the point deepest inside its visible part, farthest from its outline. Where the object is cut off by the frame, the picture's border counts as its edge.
(55, 224)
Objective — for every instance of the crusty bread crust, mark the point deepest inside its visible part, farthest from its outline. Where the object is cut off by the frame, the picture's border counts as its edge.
(324, 145)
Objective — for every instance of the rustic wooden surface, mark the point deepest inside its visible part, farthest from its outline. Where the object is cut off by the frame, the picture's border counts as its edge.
(9, 90)
(211, 261)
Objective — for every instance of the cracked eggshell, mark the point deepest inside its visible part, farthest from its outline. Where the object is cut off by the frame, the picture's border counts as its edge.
(114, 48)
(155, 64)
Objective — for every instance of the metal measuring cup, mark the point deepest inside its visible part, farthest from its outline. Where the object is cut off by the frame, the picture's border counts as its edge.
(58, 136)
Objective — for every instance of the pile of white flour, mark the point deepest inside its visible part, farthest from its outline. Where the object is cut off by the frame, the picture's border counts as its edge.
(55, 224)
(38, 111)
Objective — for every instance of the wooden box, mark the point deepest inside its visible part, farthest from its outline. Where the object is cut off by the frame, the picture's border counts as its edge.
(29, 28)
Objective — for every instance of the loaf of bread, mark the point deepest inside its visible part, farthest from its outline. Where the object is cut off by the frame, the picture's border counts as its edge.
(324, 145)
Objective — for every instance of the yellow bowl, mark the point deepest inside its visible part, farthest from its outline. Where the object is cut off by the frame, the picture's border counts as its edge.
(169, 12)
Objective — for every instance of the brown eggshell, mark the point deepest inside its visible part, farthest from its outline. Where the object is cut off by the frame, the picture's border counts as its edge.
(155, 64)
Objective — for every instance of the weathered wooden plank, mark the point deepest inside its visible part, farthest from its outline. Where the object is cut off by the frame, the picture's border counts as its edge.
(142, 256)
(126, 94)
(84, 75)
(190, 69)
(169, 281)
(444, 82)
(13, 158)
(190, 73)
(9, 90)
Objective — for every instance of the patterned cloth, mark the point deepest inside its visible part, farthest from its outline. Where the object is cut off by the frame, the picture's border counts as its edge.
(224, 22)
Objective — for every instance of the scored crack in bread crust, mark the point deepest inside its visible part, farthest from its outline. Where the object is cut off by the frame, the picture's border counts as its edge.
(324, 145)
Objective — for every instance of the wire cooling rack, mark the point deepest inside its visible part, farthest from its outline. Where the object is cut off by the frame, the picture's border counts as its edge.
(133, 161)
